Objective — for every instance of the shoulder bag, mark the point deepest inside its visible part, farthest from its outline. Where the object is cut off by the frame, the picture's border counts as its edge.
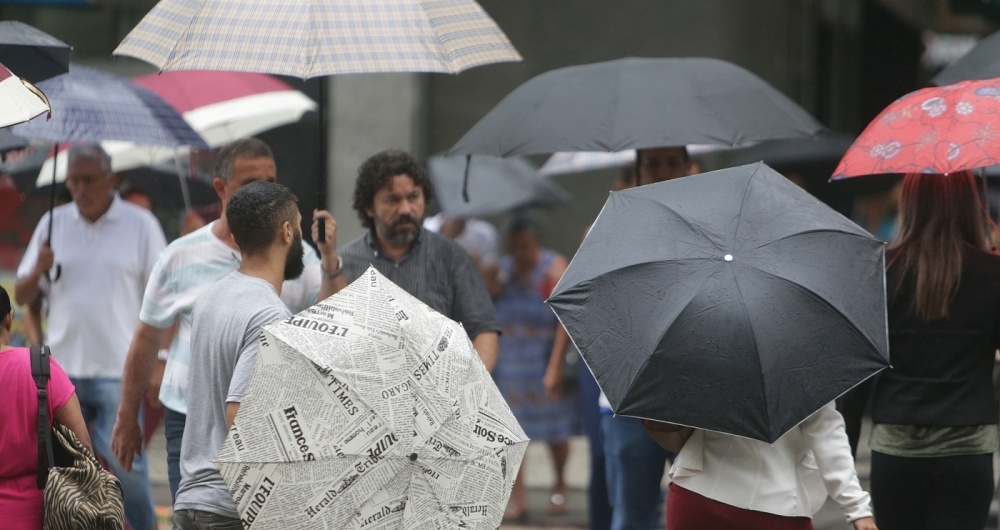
(79, 493)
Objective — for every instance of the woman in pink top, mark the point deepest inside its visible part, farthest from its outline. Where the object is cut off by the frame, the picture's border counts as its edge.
(20, 498)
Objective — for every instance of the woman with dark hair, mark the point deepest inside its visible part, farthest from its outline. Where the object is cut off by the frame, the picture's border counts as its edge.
(934, 414)
(530, 343)
(20, 498)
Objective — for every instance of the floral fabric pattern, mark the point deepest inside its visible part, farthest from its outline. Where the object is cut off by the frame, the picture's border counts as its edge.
(934, 130)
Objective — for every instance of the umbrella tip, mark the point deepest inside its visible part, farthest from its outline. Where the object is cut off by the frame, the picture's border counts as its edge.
(413, 457)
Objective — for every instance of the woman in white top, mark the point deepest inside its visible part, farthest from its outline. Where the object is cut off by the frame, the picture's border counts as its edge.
(725, 481)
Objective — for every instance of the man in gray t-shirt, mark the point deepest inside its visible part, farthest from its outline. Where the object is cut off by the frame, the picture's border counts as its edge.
(225, 335)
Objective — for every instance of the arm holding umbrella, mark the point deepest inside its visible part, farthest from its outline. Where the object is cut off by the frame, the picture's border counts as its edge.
(27, 287)
(671, 437)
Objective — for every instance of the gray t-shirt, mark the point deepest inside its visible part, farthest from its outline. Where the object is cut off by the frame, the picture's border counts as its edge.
(225, 333)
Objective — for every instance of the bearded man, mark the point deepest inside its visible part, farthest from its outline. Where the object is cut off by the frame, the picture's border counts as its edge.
(390, 196)
(225, 331)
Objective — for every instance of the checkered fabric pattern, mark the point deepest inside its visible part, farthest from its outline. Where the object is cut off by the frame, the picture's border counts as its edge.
(306, 39)
(89, 106)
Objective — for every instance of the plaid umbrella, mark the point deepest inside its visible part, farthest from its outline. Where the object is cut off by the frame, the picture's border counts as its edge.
(307, 39)
(91, 106)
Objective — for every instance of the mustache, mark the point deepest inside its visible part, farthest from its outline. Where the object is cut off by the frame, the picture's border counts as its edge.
(404, 219)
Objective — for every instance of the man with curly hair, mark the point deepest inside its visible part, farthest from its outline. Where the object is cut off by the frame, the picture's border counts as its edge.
(390, 196)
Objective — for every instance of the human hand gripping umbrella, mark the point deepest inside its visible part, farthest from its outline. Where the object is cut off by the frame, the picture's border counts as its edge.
(370, 410)
(90, 106)
(309, 39)
(731, 301)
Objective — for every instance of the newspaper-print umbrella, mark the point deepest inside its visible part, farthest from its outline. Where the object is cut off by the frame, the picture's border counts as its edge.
(31, 53)
(637, 103)
(20, 101)
(495, 185)
(933, 130)
(731, 301)
(371, 410)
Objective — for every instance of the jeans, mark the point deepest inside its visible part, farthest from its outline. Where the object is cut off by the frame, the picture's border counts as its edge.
(99, 400)
(173, 430)
(201, 520)
(634, 468)
(932, 492)
(597, 490)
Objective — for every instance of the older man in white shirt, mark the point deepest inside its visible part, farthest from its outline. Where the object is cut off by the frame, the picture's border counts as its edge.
(94, 272)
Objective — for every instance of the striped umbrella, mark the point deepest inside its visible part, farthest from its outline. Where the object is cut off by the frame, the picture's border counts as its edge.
(313, 38)
(19, 100)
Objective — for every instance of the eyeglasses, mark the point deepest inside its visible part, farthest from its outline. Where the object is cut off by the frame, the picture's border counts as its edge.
(80, 180)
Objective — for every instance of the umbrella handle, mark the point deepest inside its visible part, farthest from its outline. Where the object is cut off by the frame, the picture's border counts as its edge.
(465, 179)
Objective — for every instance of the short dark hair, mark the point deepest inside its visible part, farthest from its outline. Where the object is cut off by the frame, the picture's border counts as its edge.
(5, 306)
(255, 213)
(638, 157)
(377, 173)
(245, 148)
(523, 223)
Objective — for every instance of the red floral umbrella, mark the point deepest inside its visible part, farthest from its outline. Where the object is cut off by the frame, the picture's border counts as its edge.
(933, 130)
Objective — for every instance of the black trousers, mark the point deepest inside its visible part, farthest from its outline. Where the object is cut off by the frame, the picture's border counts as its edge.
(940, 493)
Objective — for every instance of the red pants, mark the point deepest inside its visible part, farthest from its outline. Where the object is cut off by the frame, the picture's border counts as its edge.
(686, 510)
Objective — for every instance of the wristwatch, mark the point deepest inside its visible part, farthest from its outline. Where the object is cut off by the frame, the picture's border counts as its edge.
(336, 272)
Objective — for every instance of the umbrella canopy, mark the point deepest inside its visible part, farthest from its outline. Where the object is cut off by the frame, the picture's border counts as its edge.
(371, 407)
(565, 162)
(634, 104)
(91, 106)
(495, 186)
(31, 53)
(981, 62)
(823, 149)
(731, 301)
(19, 100)
(220, 106)
(933, 130)
(10, 142)
(308, 39)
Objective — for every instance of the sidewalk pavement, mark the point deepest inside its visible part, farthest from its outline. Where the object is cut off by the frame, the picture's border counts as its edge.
(539, 479)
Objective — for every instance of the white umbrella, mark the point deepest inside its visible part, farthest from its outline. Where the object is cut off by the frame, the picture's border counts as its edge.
(20, 101)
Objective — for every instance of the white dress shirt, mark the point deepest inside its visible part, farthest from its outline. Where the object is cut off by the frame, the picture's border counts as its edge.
(94, 304)
(791, 477)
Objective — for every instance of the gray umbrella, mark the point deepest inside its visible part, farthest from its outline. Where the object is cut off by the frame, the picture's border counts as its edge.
(31, 53)
(981, 62)
(10, 142)
(495, 186)
(732, 301)
(634, 104)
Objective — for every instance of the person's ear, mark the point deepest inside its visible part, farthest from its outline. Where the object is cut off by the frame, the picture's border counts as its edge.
(287, 232)
(8, 321)
(220, 188)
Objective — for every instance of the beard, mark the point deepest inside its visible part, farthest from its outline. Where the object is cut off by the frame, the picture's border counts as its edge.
(395, 235)
(293, 261)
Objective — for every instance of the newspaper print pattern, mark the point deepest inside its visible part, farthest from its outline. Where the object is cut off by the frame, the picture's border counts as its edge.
(371, 411)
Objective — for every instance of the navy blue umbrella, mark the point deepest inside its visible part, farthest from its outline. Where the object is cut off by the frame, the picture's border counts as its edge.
(90, 106)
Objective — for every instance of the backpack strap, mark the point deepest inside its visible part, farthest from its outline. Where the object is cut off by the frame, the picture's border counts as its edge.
(40, 373)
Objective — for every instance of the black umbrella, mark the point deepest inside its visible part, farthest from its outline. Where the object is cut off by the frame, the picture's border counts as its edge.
(731, 301)
(824, 149)
(981, 62)
(634, 104)
(31, 53)
(496, 186)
